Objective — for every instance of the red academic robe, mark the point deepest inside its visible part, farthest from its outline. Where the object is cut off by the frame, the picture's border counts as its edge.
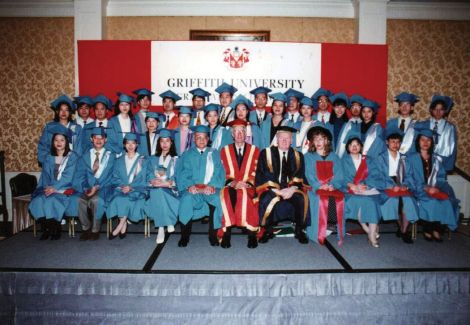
(246, 210)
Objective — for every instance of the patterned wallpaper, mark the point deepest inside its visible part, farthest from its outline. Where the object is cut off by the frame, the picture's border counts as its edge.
(424, 57)
(36, 65)
(427, 57)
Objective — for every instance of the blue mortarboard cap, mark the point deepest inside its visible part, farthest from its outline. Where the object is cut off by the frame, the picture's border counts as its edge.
(60, 129)
(240, 99)
(170, 94)
(226, 88)
(84, 100)
(63, 99)
(341, 96)
(104, 100)
(448, 102)
(352, 135)
(143, 92)
(165, 133)
(99, 131)
(260, 90)
(185, 110)
(371, 104)
(321, 92)
(132, 137)
(422, 128)
(154, 115)
(201, 129)
(356, 98)
(294, 93)
(307, 101)
(211, 108)
(123, 98)
(406, 97)
(279, 96)
(200, 93)
(393, 130)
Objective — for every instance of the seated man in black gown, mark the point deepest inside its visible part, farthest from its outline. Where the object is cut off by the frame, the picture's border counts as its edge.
(279, 184)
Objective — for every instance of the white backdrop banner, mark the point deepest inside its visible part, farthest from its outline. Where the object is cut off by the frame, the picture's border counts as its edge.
(182, 66)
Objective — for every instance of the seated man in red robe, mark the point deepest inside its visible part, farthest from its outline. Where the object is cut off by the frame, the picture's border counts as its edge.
(240, 160)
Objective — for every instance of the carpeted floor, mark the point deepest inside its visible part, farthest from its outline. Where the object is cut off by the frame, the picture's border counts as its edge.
(138, 254)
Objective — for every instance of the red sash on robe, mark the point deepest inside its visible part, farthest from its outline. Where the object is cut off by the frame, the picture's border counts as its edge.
(392, 193)
(439, 195)
(325, 175)
(361, 173)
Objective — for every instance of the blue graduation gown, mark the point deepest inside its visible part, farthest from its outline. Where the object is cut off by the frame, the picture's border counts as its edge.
(220, 136)
(253, 117)
(163, 202)
(85, 179)
(430, 209)
(389, 208)
(179, 150)
(191, 172)
(447, 144)
(337, 181)
(44, 145)
(394, 124)
(367, 205)
(378, 146)
(54, 205)
(144, 144)
(265, 131)
(115, 135)
(132, 203)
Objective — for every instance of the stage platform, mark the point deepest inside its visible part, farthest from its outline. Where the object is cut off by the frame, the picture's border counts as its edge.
(133, 280)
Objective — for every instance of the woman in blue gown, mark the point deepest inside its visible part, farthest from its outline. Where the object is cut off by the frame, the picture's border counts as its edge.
(371, 132)
(299, 139)
(362, 182)
(130, 186)
(121, 123)
(163, 202)
(63, 108)
(324, 173)
(219, 135)
(436, 200)
(242, 106)
(273, 121)
(50, 199)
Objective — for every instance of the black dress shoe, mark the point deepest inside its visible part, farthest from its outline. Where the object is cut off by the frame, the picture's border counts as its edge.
(183, 242)
(111, 236)
(406, 237)
(213, 240)
(252, 242)
(45, 235)
(398, 233)
(122, 236)
(225, 242)
(301, 237)
(85, 235)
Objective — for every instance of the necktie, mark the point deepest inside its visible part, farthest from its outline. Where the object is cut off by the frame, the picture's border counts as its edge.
(292, 117)
(260, 119)
(188, 141)
(100, 124)
(167, 121)
(198, 120)
(323, 119)
(239, 157)
(202, 152)
(436, 135)
(222, 117)
(284, 170)
(402, 125)
(96, 163)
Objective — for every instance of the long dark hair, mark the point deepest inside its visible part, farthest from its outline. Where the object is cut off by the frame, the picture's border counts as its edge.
(56, 112)
(418, 148)
(117, 111)
(171, 152)
(67, 145)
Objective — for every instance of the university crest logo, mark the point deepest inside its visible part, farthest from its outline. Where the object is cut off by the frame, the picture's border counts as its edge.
(236, 58)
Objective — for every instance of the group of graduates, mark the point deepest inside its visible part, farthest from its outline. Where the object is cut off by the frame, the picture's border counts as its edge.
(314, 161)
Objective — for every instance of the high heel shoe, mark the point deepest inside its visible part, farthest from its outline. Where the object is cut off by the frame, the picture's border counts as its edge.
(111, 236)
(122, 235)
(374, 244)
(427, 236)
